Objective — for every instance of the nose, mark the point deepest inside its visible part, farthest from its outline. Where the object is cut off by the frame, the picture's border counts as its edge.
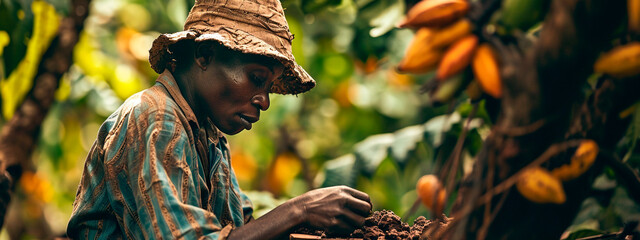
(261, 100)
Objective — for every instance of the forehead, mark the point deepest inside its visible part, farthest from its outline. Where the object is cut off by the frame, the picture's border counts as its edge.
(271, 63)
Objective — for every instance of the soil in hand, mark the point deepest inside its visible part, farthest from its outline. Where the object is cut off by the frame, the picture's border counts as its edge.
(381, 225)
(387, 225)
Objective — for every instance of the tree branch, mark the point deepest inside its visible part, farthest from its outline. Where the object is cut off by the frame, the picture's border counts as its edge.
(18, 136)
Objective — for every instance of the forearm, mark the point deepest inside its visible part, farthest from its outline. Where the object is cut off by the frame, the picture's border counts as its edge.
(273, 225)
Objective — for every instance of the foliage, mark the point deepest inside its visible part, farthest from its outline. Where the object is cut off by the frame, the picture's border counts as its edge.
(19, 82)
(515, 58)
(364, 125)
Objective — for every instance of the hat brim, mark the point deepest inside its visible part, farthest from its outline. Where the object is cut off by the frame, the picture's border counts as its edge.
(294, 79)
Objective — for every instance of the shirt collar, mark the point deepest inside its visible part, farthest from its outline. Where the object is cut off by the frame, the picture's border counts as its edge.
(169, 82)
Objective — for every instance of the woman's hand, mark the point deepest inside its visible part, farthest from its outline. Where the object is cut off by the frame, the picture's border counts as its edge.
(338, 209)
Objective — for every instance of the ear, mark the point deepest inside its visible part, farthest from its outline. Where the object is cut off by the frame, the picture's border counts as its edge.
(203, 55)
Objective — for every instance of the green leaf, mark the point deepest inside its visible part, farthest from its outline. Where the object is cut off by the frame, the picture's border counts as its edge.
(405, 141)
(17, 19)
(437, 127)
(635, 125)
(473, 142)
(339, 171)
(583, 233)
(603, 182)
(465, 109)
(624, 206)
(387, 19)
(61, 6)
(177, 12)
(312, 6)
(297, 47)
(372, 151)
(589, 211)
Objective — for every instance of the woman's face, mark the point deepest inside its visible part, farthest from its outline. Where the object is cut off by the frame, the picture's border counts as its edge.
(232, 90)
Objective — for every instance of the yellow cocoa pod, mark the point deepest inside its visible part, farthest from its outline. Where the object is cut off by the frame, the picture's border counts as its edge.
(620, 62)
(581, 161)
(539, 186)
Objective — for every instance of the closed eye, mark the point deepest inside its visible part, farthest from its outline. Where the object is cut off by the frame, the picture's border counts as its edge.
(258, 81)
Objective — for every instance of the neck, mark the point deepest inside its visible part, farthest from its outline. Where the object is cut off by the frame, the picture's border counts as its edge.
(184, 79)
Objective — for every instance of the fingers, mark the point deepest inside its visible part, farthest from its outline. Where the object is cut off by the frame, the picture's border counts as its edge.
(345, 223)
(340, 208)
(355, 220)
(339, 227)
(358, 206)
(357, 194)
(361, 202)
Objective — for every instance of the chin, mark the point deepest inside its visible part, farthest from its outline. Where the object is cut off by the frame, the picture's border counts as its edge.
(232, 131)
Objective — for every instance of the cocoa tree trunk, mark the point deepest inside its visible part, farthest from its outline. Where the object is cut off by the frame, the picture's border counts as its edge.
(19, 135)
(542, 109)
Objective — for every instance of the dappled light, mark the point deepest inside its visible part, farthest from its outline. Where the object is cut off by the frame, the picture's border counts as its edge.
(455, 117)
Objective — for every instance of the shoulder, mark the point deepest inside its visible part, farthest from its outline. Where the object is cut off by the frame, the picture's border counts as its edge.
(150, 105)
(151, 101)
(144, 111)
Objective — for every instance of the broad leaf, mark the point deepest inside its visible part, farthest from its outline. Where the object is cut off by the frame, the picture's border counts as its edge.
(405, 141)
(387, 19)
(372, 151)
(583, 233)
(339, 171)
(437, 127)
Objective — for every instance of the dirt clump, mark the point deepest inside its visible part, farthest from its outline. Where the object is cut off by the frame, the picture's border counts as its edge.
(387, 225)
(381, 225)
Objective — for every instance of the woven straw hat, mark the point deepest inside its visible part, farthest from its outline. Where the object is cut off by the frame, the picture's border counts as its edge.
(248, 26)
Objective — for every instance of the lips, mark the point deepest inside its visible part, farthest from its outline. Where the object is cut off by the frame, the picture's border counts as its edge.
(248, 120)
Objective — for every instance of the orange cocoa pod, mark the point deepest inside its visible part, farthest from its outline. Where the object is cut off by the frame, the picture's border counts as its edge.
(431, 193)
(435, 13)
(457, 57)
(487, 70)
(420, 57)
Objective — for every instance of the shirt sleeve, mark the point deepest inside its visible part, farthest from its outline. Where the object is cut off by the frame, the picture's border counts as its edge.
(164, 177)
(92, 216)
(247, 207)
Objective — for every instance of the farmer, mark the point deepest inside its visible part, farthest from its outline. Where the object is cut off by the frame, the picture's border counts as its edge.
(160, 167)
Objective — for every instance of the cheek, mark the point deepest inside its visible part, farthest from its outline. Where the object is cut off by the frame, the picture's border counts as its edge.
(238, 89)
(225, 93)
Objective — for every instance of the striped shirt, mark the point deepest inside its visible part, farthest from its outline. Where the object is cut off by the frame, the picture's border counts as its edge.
(155, 173)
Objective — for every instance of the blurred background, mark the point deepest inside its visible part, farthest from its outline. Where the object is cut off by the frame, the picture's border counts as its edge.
(364, 125)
